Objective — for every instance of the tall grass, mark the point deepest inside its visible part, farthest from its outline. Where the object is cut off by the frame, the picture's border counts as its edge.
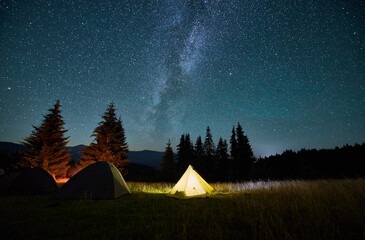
(241, 187)
(297, 209)
(159, 187)
(323, 209)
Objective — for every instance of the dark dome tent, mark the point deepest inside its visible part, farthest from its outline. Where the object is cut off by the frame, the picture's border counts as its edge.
(100, 180)
(26, 182)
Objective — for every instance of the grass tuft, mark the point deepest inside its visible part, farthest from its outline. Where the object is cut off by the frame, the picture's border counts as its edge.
(322, 209)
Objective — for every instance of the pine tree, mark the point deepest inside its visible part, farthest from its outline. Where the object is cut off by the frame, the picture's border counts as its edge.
(233, 142)
(233, 165)
(109, 144)
(189, 150)
(198, 156)
(46, 145)
(181, 153)
(185, 151)
(209, 154)
(168, 166)
(244, 155)
(208, 146)
(222, 159)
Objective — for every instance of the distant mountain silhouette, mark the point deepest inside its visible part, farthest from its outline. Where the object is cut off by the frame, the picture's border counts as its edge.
(75, 152)
(146, 157)
(11, 147)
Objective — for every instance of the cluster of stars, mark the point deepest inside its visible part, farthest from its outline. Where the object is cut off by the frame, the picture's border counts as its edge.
(292, 73)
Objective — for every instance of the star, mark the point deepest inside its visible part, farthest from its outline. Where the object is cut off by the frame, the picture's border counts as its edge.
(174, 67)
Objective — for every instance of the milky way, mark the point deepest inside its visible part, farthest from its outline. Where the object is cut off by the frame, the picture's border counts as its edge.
(291, 72)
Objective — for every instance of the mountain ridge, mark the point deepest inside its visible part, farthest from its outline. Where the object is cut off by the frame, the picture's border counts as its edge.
(148, 158)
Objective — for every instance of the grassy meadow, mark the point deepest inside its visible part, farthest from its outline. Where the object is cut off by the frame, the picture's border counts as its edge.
(321, 209)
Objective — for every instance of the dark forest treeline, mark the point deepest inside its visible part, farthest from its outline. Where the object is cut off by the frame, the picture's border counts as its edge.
(214, 162)
(347, 161)
(235, 162)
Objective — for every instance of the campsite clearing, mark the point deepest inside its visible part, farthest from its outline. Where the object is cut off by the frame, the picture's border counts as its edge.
(324, 209)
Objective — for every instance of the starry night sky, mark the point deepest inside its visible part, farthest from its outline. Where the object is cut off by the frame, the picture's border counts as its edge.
(291, 72)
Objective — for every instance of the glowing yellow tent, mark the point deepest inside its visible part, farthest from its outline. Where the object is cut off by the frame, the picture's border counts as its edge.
(191, 184)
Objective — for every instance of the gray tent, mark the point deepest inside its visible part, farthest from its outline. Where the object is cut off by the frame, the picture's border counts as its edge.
(27, 181)
(98, 181)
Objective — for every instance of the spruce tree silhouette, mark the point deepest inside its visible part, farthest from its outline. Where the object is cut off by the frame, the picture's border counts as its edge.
(222, 161)
(109, 144)
(198, 157)
(46, 144)
(233, 162)
(184, 153)
(244, 155)
(168, 165)
(209, 155)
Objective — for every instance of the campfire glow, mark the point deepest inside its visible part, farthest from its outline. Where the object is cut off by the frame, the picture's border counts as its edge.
(61, 180)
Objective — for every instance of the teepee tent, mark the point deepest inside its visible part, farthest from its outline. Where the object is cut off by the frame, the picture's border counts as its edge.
(100, 180)
(191, 184)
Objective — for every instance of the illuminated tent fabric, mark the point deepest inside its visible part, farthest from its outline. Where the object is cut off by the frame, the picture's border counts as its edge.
(100, 180)
(26, 182)
(191, 184)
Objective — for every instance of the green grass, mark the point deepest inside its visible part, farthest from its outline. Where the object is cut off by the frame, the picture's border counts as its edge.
(325, 209)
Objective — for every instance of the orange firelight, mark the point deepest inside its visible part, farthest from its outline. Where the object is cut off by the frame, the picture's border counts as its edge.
(61, 180)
